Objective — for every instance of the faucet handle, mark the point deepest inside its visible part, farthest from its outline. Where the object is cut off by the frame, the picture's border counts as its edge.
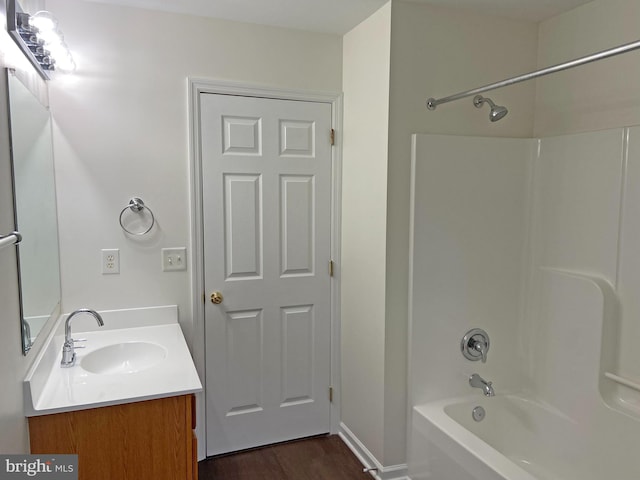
(479, 346)
(78, 340)
(475, 345)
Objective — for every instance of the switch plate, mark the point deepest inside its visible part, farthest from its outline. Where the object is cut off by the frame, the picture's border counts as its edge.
(174, 259)
(110, 261)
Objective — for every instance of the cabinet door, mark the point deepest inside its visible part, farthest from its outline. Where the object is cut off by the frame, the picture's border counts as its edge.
(135, 441)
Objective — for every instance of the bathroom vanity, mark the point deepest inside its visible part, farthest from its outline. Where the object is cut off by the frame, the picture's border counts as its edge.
(151, 440)
(127, 406)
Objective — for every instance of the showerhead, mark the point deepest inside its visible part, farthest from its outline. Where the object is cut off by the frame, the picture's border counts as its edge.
(497, 111)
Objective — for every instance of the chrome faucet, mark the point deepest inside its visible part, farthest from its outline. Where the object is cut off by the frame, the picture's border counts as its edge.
(477, 381)
(27, 343)
(68, 349)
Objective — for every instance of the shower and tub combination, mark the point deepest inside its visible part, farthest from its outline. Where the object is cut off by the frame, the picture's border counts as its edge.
(535, 243)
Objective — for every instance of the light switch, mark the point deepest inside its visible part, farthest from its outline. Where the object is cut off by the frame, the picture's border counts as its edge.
(174, 259)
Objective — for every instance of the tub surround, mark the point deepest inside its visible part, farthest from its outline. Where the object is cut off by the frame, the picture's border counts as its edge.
(562, 329)
(166, 370)
(467, 256)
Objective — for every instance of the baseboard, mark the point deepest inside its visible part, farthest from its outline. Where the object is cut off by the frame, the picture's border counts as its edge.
(370, 463)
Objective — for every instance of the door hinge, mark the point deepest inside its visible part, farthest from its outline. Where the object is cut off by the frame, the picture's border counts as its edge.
(331, 268)
(333, 137)
(330, 394)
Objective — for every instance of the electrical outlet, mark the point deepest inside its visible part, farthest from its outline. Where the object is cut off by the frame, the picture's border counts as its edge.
(110, 261)
(174, 259)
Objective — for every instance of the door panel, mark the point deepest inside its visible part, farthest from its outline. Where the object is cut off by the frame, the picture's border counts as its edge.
(297, 204)
(242, 226)
(266, 169)
(297, 354)
(244, 333)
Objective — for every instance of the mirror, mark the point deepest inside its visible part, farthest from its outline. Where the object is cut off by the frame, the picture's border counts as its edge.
(35, 210)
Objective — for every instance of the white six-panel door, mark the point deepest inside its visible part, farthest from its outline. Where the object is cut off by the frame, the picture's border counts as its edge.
(266, 170)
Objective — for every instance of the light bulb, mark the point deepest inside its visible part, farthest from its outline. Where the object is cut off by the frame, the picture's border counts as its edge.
(65, 63)
(58, 49)
(50, 36)
(43, 21)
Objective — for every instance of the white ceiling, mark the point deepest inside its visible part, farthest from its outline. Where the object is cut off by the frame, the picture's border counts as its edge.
(533, 10)
(337, 16)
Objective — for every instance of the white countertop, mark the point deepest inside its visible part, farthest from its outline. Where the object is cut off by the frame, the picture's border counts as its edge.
(49, 388)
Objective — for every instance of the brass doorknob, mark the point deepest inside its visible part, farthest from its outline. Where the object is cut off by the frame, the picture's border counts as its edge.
(216, 298)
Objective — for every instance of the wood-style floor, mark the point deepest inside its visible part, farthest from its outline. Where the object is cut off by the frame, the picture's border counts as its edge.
(317, 458)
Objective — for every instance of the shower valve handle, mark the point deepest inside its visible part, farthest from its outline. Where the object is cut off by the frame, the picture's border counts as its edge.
(475, 345)
(481, 347)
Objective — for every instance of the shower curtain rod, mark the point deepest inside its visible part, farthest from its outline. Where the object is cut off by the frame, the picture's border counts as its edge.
(432, 103)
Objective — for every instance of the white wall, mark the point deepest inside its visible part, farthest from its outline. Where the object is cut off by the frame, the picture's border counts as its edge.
(469, 232)
(469, 229)
(575, 228)
(597, 96)
(121, 130)
(434, 51)
(13, 365)
(366, 110)
(625, 359)
(585, 222)
(437, 52)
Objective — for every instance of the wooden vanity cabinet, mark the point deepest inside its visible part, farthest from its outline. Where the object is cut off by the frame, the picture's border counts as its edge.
(151, 440)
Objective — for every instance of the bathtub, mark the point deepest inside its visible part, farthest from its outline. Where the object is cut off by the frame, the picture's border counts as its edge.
(520, 439)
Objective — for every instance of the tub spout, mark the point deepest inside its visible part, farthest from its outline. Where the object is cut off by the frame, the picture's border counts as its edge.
(477, 381)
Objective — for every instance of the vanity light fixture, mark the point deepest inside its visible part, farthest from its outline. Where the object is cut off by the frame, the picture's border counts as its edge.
(39, 39)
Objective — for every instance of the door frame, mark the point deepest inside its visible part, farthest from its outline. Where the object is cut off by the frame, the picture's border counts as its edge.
(196, 86)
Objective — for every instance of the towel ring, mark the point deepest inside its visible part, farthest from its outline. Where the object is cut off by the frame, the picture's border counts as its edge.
(137, 205)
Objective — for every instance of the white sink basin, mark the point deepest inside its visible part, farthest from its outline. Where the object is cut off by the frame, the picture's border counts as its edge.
(140, 354)
(126, 357)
